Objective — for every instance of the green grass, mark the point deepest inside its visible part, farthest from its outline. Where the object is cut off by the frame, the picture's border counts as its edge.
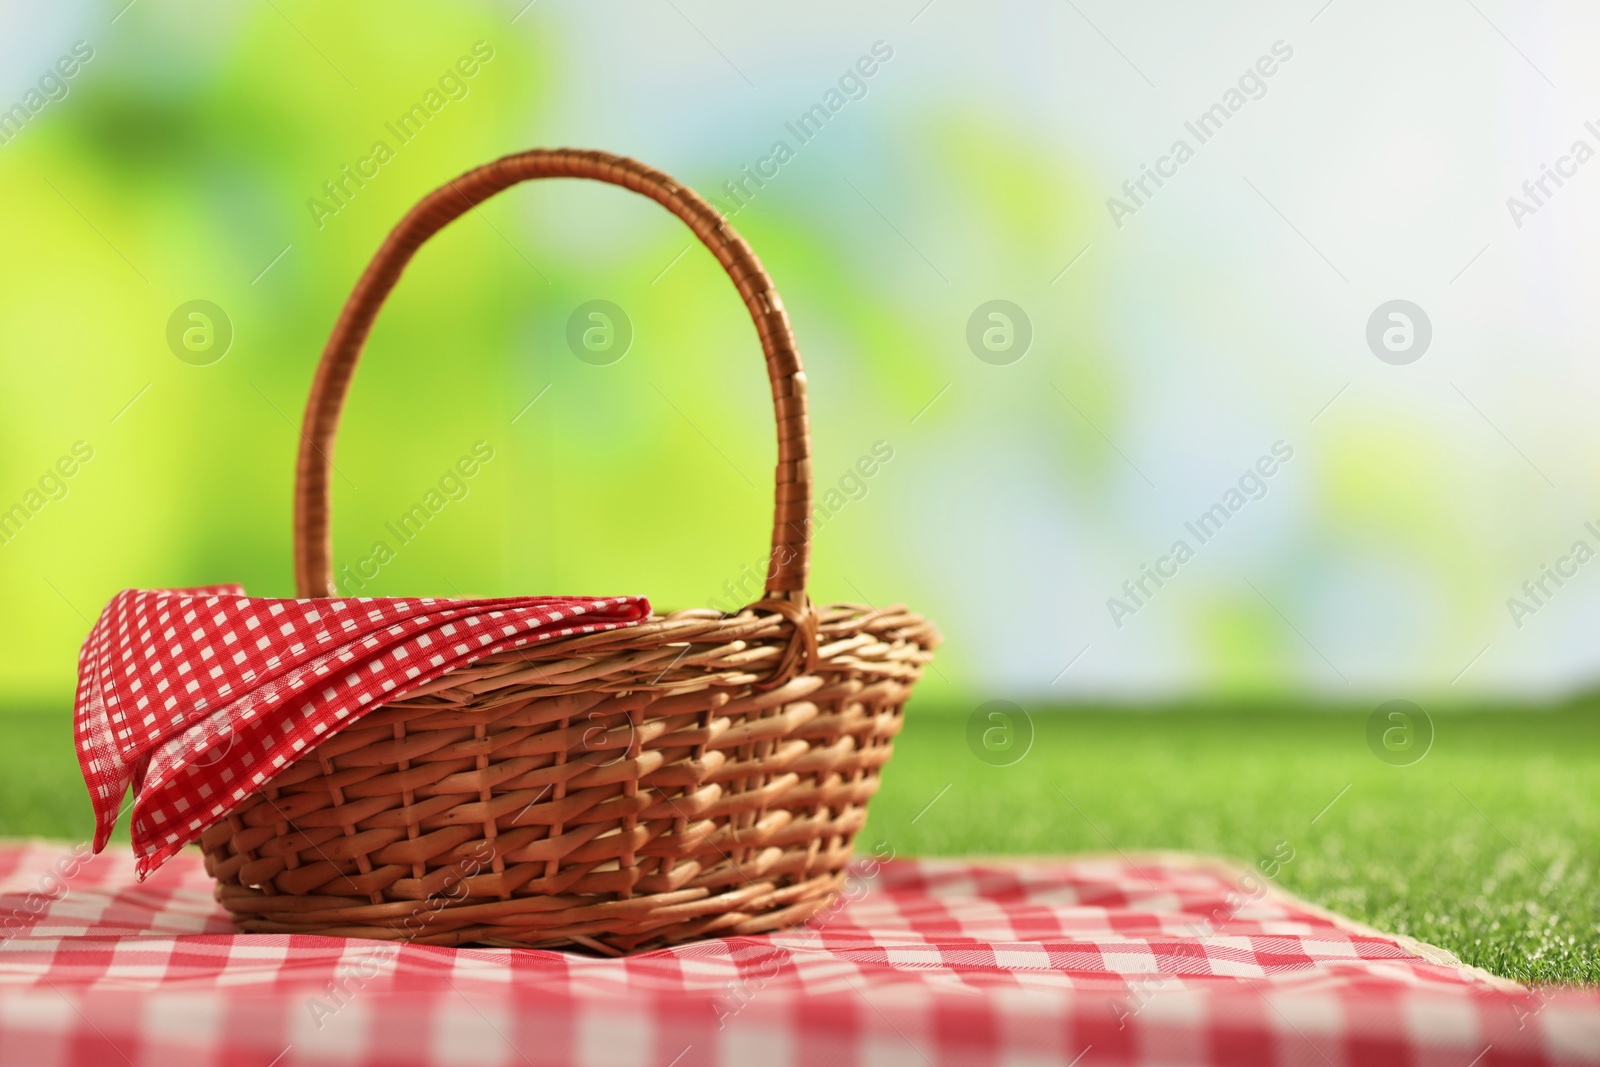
(1489, 846)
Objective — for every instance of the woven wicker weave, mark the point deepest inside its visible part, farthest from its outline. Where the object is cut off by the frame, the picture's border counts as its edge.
(697, 775)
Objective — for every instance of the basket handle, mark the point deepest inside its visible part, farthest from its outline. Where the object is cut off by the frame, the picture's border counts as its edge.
(790, 561)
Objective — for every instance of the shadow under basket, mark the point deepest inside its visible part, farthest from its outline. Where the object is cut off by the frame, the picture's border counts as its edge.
(697, 775)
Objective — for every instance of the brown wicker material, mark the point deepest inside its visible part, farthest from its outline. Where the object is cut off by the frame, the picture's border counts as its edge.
(697, 775)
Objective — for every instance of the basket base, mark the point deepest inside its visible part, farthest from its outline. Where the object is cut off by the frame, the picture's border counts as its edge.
(615, 928)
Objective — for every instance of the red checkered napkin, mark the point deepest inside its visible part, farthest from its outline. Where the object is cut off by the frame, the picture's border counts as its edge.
(197, 697)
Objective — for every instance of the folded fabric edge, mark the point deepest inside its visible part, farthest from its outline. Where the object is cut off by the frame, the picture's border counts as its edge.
(147, 862)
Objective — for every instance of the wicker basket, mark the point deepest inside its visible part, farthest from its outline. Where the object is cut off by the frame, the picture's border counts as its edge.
(696, 775)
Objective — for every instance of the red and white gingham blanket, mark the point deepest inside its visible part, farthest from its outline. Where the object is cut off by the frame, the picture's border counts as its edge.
(1096, 962)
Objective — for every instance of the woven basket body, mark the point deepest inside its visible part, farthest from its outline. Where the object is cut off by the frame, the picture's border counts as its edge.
(696, 775)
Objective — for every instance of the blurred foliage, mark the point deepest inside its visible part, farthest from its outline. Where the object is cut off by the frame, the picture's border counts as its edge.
(184, 162)
(181, 166)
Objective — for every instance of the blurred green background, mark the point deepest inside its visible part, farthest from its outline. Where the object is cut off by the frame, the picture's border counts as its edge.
(182, 166)
(187, 158)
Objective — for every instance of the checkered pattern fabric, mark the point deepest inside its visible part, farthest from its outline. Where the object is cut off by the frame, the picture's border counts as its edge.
(197, 697)
(1096, 962)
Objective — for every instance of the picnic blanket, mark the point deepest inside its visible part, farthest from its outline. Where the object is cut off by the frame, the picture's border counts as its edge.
(1091, 961)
